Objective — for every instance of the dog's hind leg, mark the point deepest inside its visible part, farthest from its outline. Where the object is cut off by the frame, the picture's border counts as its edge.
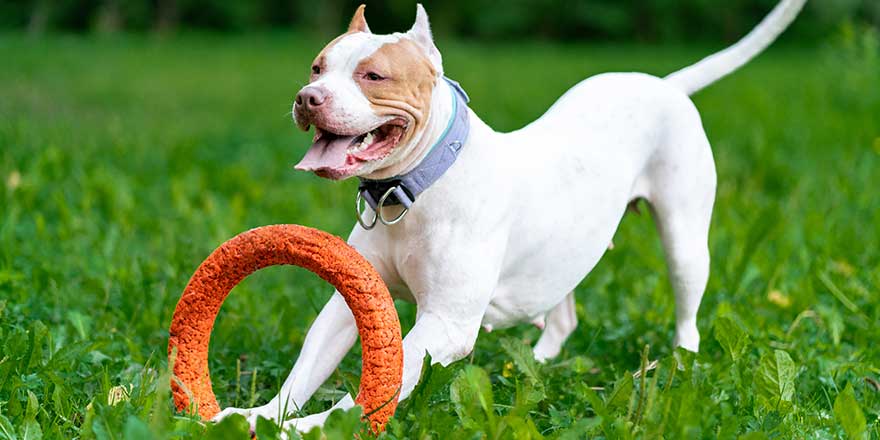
(682, 195)
(688, 260)
(559, 324)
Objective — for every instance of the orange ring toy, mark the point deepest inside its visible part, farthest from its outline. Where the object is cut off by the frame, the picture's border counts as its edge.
(327, 256)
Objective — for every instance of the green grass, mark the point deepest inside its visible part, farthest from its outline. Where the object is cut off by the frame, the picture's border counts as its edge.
(124, 162)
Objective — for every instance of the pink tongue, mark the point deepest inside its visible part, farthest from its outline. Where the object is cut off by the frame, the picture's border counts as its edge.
(326, 154)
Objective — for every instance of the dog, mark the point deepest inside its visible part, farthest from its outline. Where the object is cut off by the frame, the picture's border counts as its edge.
(487, 229)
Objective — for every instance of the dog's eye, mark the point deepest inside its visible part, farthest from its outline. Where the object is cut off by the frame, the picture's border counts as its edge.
(316, 69)
(373, 76)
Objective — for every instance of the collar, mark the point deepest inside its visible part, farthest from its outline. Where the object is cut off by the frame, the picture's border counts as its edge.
(403, 189)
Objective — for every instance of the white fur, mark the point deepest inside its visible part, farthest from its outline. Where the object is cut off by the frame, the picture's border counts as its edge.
(521, 218)
(421, 34)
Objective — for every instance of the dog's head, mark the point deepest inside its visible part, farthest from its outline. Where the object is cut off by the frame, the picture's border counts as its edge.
(368, 97)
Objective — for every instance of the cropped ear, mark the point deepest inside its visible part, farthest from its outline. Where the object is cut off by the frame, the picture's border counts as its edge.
(421, 34)
(358, 22)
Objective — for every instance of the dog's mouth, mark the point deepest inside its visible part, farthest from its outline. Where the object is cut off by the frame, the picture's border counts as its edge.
(336, 156)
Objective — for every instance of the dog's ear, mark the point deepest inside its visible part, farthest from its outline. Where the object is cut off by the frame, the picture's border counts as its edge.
(358, 22)
(421, 34)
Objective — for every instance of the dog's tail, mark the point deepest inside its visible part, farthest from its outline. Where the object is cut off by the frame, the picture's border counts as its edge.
(693, 78)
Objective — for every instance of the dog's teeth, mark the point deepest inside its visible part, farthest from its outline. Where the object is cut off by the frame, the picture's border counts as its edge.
(366, 142)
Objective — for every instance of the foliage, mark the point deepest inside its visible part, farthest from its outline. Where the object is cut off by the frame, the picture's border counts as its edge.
(848, 413)
(732, 337)
(646, 20)
(124, 162)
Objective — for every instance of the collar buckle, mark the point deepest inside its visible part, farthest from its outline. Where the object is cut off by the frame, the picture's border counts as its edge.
(378, 214)
(360, 213)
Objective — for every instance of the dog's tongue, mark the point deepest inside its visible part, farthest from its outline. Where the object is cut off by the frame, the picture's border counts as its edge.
(326, 154)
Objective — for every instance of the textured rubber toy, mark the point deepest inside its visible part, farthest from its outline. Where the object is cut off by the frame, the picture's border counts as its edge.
(327, 256)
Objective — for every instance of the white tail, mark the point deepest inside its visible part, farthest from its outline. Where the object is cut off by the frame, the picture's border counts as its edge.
(694, 78)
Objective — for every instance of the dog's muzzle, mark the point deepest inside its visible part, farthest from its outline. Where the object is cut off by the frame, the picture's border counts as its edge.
(309, 102)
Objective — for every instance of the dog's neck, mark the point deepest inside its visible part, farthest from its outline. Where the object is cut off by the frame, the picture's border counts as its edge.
(438, 120)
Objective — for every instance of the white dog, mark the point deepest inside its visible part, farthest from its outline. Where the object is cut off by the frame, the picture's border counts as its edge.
(488, 229)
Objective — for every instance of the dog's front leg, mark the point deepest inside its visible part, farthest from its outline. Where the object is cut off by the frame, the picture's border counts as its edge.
(327, 341)
(445, 329)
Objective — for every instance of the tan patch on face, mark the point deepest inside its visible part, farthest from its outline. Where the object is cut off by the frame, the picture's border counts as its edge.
(407, 84)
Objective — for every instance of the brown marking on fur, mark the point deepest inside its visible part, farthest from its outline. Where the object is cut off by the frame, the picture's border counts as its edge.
(327, 256)
(409, 79)
(358, 22)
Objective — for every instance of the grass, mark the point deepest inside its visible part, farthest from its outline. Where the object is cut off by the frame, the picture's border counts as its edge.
(124, 162)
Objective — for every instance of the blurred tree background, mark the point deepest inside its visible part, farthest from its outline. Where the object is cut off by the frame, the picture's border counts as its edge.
(605, 20)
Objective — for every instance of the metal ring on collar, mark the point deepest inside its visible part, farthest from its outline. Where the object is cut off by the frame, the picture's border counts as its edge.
(360, 214)
(382, 204)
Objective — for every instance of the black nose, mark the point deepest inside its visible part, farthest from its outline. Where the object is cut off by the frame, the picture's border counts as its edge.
(311, 97)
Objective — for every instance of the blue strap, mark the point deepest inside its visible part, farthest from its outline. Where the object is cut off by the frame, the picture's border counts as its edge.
(440, 157)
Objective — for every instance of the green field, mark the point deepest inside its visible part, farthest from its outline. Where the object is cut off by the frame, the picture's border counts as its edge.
(126, 161)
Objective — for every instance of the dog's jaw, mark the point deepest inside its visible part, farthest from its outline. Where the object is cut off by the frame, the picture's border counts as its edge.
(406, 157)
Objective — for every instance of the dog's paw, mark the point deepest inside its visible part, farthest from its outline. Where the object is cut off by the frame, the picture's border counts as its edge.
(251, 414)
(305, 424)
(226, 412)
(688, 338)
(542, 353)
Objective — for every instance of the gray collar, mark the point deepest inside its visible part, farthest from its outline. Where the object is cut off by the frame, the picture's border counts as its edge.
(403, 189)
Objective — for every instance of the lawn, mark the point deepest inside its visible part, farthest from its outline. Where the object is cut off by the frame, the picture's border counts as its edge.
(126, 161)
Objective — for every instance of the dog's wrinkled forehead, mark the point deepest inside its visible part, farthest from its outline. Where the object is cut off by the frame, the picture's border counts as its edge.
(344, 54)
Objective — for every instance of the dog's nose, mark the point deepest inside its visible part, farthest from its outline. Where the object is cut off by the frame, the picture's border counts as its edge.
(311, 97)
